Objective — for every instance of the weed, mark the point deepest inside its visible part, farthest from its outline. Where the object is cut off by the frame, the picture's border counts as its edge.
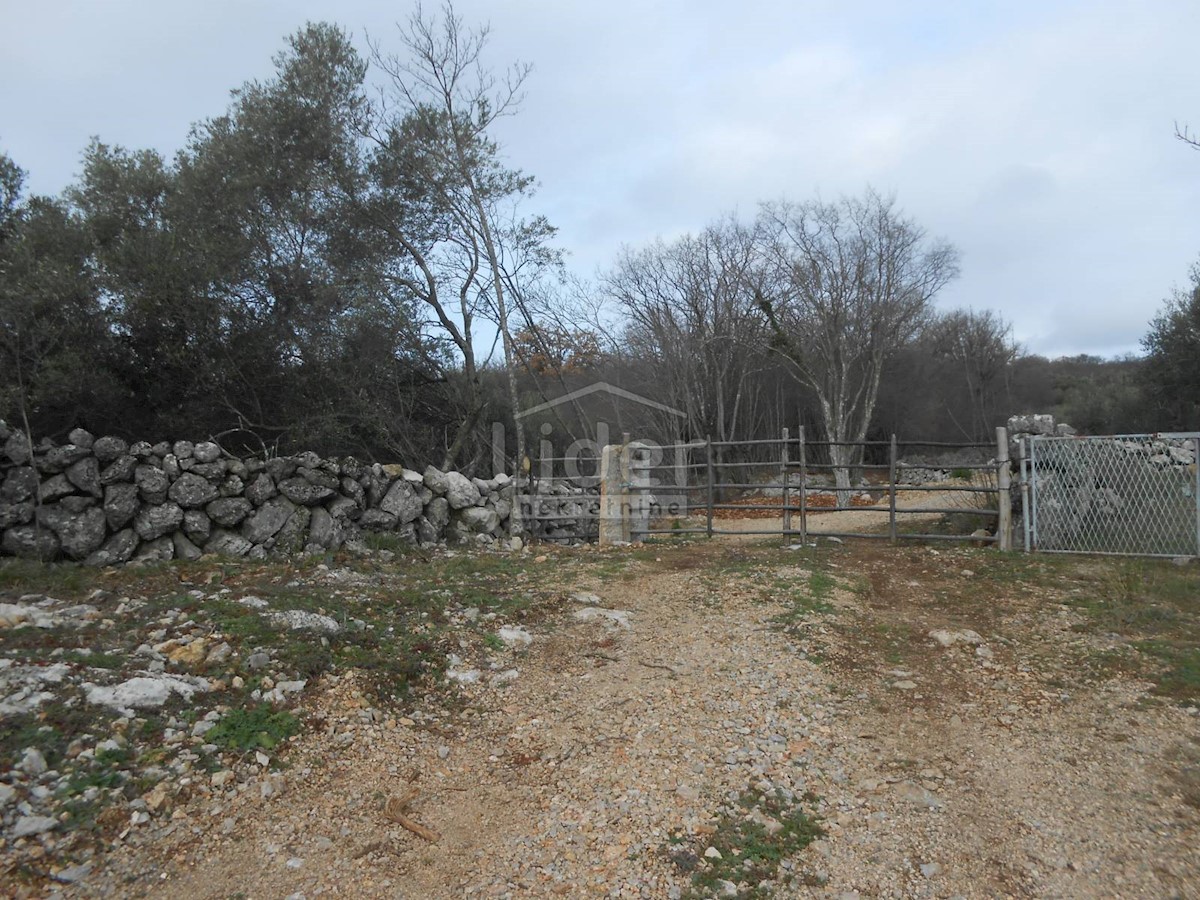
(58, 579)
(492, 641)
(1180, 679)
(95, 660)
(256, 728)
(383, 540)
(49, 729)
(752, 837)
(1185, 771)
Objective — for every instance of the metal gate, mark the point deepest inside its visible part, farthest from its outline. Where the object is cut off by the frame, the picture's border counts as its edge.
(1135, 495)
(688, 489)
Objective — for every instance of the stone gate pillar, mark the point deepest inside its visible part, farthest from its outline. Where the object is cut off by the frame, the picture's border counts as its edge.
(614, 495)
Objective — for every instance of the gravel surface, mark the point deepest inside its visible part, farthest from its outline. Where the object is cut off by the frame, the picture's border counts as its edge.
(974, 764)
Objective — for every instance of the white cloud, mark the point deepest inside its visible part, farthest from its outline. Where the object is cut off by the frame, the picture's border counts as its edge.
(1035, 135)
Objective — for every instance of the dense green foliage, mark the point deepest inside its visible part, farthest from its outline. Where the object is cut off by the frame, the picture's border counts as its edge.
(1172, 371)
(242, 289)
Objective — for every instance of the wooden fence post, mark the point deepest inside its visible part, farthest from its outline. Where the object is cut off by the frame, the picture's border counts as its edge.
(1004, 483)
(803, 488)
(786, 497)
(709, 468)
(892, 491)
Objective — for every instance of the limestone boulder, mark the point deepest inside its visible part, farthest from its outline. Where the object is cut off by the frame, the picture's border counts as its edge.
(460, 491)
(120, 469)
(152, 483)
(402, 501)
(120, 504)
(117, 549)
(192, 491)
(229, 511)
(261, 489)
(267, 520)
(152, 522)
(30, 542)
(227, 543)
(79, 533)
(480, 519)
(303, 492)
(206, 452)
(20, 484)
(197, 526)
(108, 448)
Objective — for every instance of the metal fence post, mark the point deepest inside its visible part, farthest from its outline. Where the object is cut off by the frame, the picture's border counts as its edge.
(1033, 501)
(1003, 483)
(709, 467)
(1026, 511)
(787, 503)
(892, 490)
(803, 488)
(1196, 488)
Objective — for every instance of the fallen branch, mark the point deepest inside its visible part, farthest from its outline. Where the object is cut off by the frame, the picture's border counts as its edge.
(650, 665)
(395, 810)
(372, 847)
(603, 656)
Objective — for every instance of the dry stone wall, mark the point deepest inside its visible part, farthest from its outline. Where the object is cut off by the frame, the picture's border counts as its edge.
(104, 501)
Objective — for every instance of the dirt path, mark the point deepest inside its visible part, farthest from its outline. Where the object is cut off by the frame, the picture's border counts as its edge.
(867, 519)
(607, 767)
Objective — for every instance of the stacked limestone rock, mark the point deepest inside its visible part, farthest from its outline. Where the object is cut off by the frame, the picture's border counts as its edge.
(562, 511)
(104, 501)
(1036, 424)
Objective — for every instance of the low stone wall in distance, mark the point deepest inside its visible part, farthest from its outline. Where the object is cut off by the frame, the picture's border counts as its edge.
(104, 501)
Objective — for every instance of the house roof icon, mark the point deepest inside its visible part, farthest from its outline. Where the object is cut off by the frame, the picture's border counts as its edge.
(602, 387)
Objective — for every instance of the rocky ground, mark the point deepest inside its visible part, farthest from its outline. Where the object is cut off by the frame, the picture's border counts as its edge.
(693, 720)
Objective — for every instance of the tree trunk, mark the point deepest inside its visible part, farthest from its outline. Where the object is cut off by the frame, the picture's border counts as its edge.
(516, 525)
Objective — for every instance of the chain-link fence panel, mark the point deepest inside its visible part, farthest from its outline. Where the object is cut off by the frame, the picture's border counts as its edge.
(1128, 494)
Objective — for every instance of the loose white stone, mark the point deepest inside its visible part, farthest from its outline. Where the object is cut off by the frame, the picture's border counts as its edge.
(610, 617)
(27, 826)
(144, 692)
(515, 637)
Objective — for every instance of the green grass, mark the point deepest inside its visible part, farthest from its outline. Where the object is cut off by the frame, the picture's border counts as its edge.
(105, 773)
(492, 641)
(49, 729)
(1178, 675)
(808, 601)
(95, 660)
(1156, 606)
(255, 728)
(383, 540)
(899, 640)
(63, 580)
(750, 852)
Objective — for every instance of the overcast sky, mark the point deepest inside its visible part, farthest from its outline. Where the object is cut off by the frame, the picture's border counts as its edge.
(1037, 136)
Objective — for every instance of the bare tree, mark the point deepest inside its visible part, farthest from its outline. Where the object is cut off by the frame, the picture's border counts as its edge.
(441, 84)
(1192, 140)
(850, 282)
(692, 319)
(981, 348)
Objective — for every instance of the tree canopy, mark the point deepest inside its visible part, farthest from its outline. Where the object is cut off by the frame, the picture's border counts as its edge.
(1172, 369)
(345, 260)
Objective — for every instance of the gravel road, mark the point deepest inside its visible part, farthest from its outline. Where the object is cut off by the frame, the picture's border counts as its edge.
(979, 765)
